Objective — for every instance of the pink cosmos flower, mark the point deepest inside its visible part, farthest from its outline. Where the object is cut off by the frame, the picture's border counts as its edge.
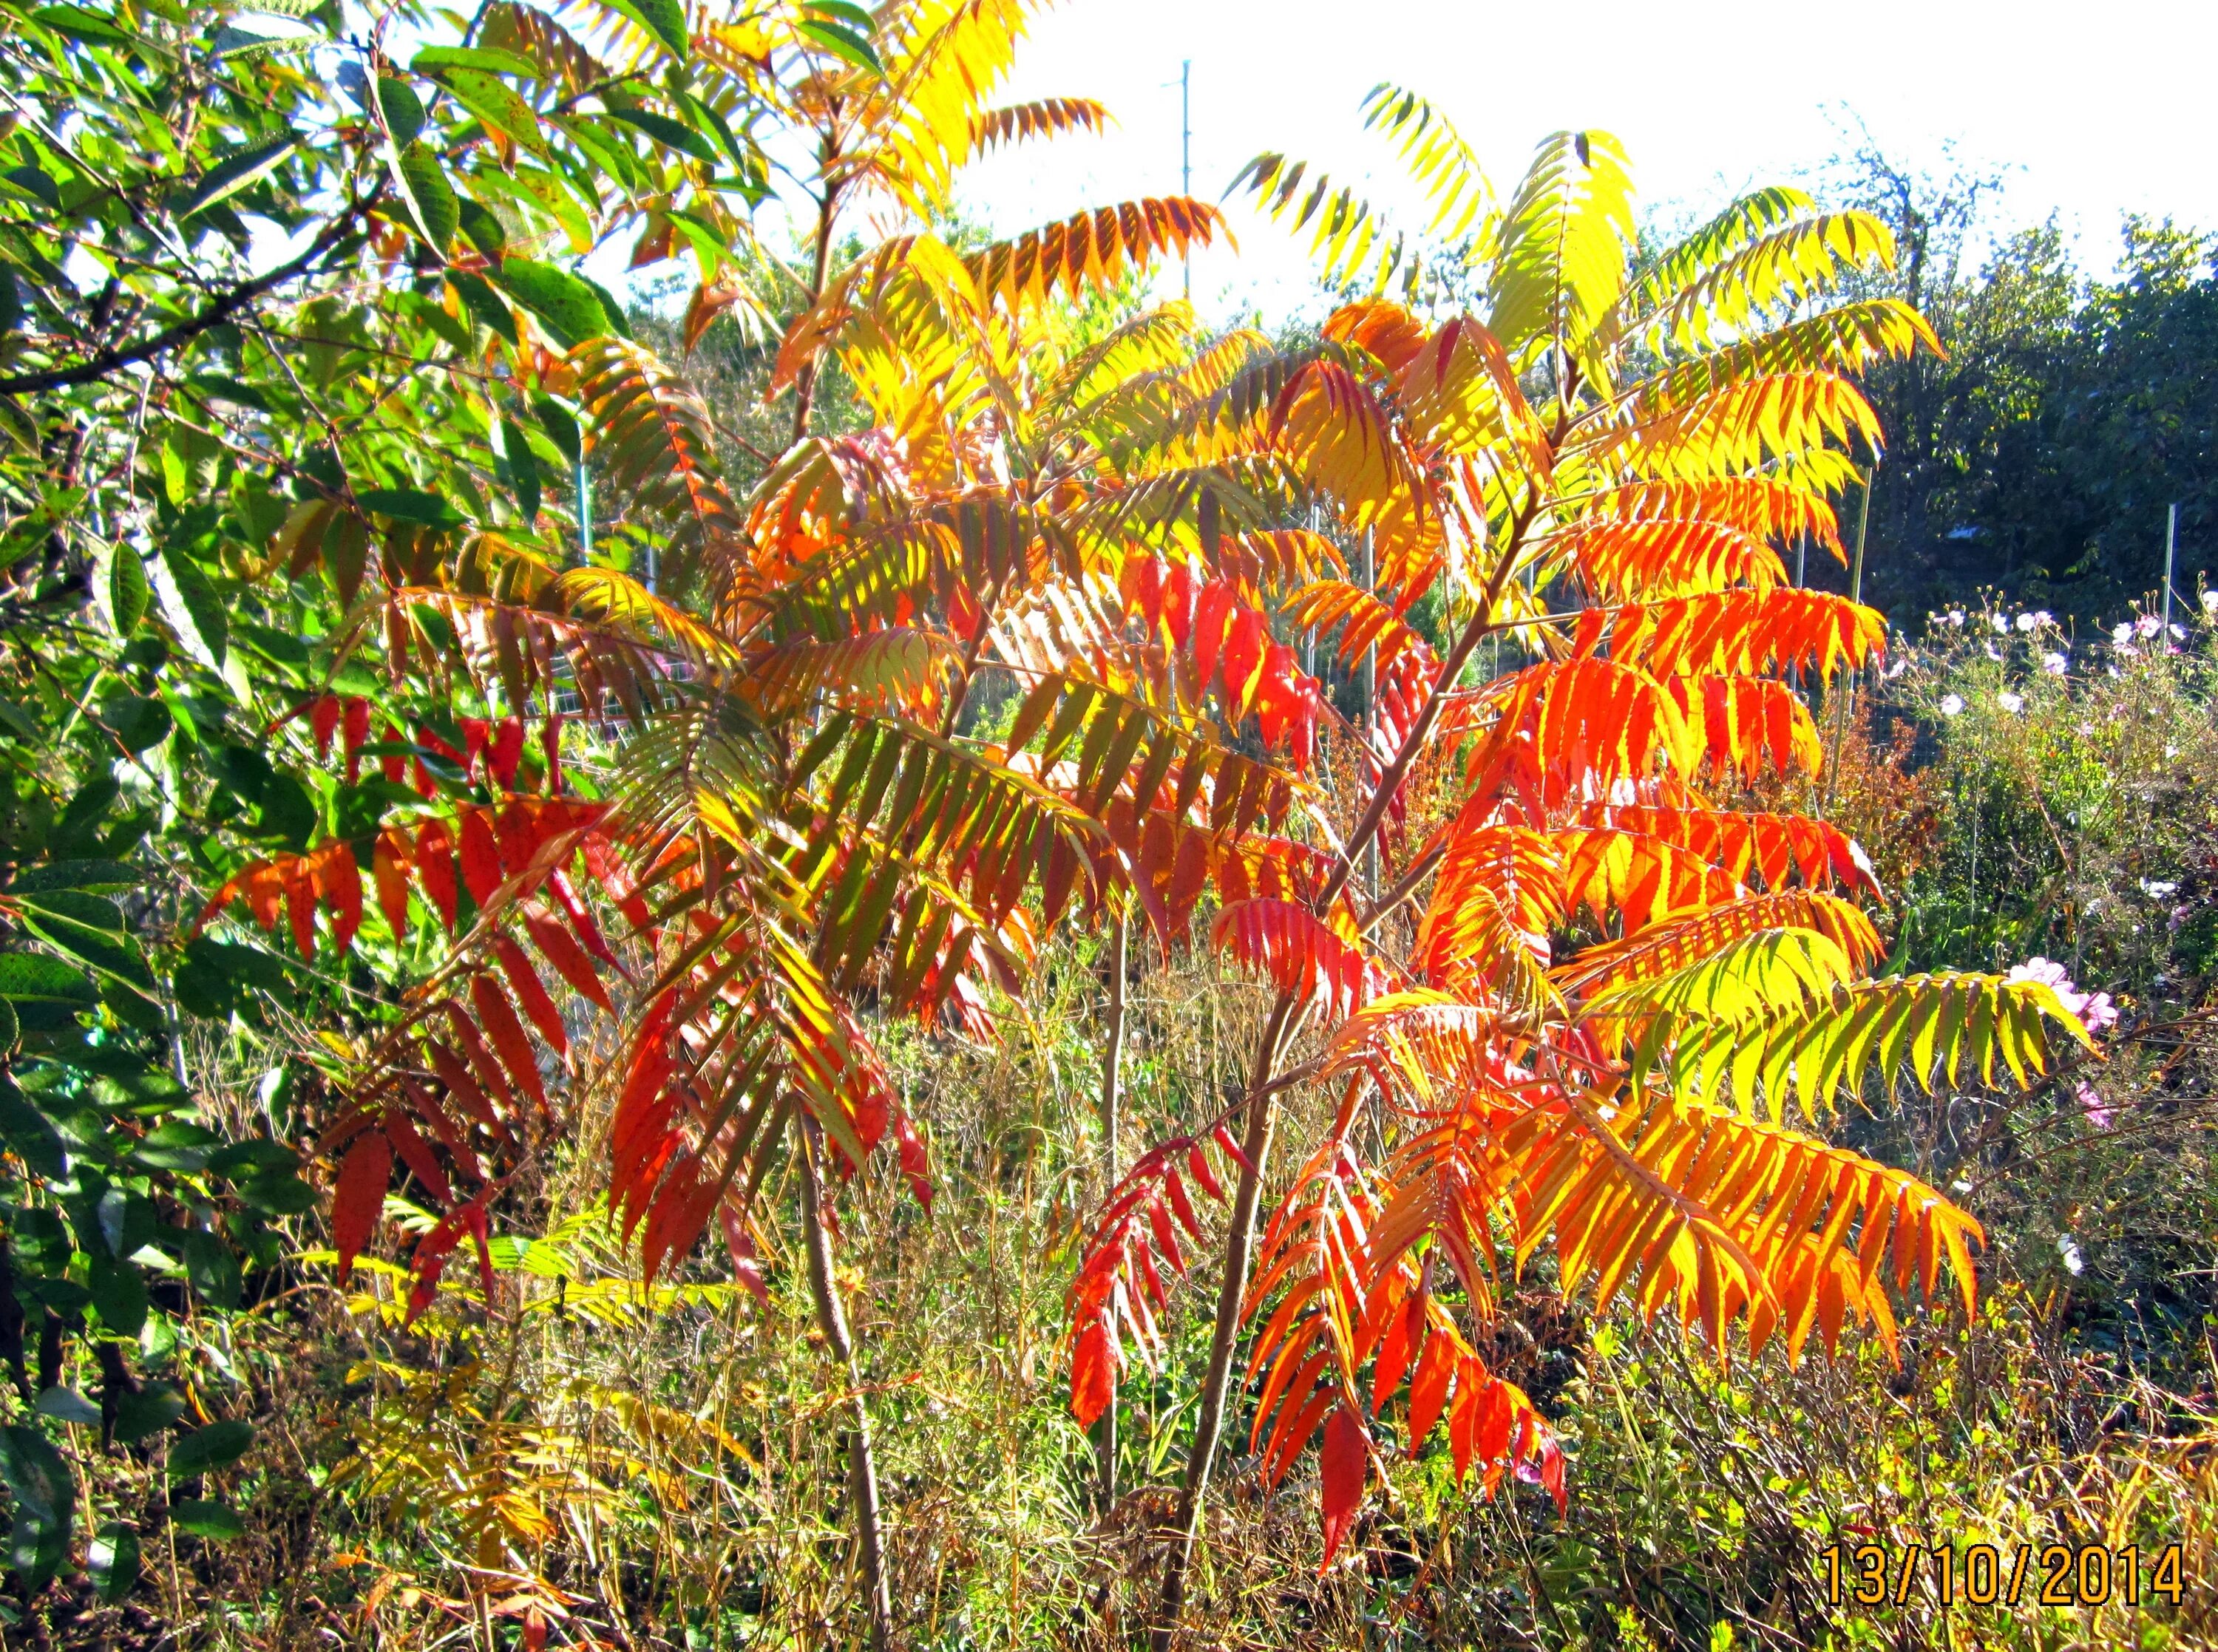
(2099, 1111)
(2095, 1010)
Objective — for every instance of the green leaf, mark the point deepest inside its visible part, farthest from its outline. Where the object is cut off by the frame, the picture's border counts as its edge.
(205, 1520)
(241, 172)
(432, 59)
(664, 19)
(432, 200)
(483, 304)
(139, 721)
(119, 1295)
(203, 611)
(128, 592)
(495, 104)
(483, 229)
(31, 1136)
(85, 25)
(840, 42)
(403, 111)
(211, 1447)
(113, 1557)
(45, 1504)
(38, 976)
(110, 874)
(409, 505)
(35, 185)
(278, 1193)
(212, 1268)
(670, 134)
(561, 428)
(571, 308)
(66, 1404)
(147, 1412)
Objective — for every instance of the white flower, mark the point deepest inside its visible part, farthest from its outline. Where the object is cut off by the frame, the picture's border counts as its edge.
(1957, 615)
(2053, 662)
(2001, 623)
(2178, 633)
(2070, 1253)
(1951, 704)
(2159, 891)
(2148, 625)
(2010, 702)
(2027, 622)
(1897, 669)
(2123, 633)
(2210, 601)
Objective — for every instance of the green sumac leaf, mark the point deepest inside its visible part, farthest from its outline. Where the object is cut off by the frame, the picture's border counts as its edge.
(496, 104)
(670, 133)
(840, 42)
(403, 111)
(483, 230)
(571, 308)
(241, 172)
(664, 19)
(432, 59)
(128, 593)
(205, 1520)
(430, 198)
(210, 1448)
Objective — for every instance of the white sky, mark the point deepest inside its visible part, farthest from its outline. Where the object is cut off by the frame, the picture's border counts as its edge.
(2093, 110)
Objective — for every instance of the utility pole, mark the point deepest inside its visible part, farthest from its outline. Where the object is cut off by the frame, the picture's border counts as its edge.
(2170, 546)
(1186, 157)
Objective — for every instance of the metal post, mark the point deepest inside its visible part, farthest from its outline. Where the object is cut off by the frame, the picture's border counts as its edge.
(1186, 157)
(2170, 545)
(584, 514)
(1370, 725)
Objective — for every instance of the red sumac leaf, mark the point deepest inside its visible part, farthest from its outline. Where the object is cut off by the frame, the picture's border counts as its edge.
(480, 857)
(358, 1197)
(1093, 1375)
(1343, 1464)
(435, 869)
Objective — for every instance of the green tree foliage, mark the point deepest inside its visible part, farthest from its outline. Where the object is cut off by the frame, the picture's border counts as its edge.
(2040, 455)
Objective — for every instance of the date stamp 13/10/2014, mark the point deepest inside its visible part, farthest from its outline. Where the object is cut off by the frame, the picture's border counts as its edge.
(2050, 1574)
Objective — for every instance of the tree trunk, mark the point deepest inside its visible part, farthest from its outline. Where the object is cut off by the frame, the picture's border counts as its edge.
(1262, 1102)
(1112, 1055)
(1263, 1115)
(862, 1466)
